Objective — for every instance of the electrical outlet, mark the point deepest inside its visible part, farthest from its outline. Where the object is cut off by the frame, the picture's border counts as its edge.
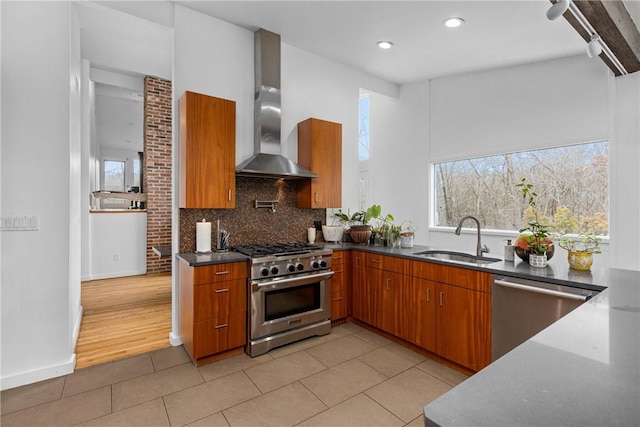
(116, 256)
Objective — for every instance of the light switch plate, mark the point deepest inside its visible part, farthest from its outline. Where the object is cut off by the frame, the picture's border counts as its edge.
(19, 223)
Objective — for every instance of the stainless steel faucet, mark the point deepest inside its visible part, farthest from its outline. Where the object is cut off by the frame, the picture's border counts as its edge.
(480, 249)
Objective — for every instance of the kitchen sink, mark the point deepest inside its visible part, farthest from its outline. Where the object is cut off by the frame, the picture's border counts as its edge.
(456, 256)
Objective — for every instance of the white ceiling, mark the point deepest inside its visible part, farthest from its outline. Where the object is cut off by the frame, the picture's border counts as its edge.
(496, 34)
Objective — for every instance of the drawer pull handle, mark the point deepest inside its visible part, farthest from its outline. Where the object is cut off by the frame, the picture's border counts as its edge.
(338, 299)
(219, 291)
(441, 299)
(224, 325)
(377, 261)
(220, 273)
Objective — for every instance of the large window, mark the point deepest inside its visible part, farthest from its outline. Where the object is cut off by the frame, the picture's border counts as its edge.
(572, 184)
(363, 148)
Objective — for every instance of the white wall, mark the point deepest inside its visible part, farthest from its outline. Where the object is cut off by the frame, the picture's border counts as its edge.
(541, 105)
(118, 244)
(399, 147)
(36, 180)
(311, 87)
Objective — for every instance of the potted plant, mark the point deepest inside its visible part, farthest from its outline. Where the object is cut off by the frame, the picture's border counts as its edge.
(407, 233)
(534, 243)
(580, 250)
(360, 229)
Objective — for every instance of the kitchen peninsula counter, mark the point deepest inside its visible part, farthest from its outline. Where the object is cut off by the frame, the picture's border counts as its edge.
(584, 370)
(198, 260)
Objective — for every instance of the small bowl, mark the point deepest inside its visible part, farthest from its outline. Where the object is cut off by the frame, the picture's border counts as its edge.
(332, 233)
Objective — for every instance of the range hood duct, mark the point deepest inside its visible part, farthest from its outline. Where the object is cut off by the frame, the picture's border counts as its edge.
(267, 162)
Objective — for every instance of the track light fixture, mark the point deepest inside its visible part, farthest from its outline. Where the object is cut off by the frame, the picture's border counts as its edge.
(596, 45)
(558, 9)
(594, 48)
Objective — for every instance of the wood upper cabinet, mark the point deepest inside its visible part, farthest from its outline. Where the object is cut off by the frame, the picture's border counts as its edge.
(320, 151)
(207, 152)
(463, 323)
(213, 307)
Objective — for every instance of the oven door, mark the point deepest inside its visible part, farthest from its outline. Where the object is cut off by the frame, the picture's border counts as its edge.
(282, 304)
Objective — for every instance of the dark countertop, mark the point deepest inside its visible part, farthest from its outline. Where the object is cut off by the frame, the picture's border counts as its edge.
(199, 260)
(584, 370)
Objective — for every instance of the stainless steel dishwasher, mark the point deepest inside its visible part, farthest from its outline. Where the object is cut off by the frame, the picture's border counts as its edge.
(521, 308)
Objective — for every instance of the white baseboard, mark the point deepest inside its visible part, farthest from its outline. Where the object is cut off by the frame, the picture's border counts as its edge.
(118, 274)
(76, 328)
(30, 377)
(174, 339)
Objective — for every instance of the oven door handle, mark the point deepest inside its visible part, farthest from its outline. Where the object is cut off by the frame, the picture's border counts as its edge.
(288, 282)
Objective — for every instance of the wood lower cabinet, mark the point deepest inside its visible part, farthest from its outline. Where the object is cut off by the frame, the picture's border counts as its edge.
(422, 313)
(339, 296)
(463, 322)
(213, 307)
(364, 299)
(207, 172)
(443, 309)
(384, 286)
(320, 151)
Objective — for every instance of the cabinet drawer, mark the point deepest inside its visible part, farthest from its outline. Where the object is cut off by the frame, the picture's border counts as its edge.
(217, 300)
(387, 263)
(462, 277)
(424, 270)
(211, 337)
(337, 259)
(219, 272)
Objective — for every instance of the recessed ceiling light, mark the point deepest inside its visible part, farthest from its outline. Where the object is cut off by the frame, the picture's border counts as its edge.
(453, 22)
(385, 44)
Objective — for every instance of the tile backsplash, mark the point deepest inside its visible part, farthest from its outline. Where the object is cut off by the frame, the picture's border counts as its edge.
(248, 224)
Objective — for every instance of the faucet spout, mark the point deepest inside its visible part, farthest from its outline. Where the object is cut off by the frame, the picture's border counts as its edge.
(480, 249)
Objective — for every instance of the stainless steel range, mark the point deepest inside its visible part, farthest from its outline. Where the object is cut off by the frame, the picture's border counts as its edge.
(290, 294)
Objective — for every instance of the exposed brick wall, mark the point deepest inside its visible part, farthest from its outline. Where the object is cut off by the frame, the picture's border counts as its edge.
(157, 169)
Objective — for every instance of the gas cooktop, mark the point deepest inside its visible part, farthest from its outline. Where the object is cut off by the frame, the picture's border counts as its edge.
(275, 249)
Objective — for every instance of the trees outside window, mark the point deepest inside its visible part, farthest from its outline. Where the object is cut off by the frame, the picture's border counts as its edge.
(572, 183)
(113, 175)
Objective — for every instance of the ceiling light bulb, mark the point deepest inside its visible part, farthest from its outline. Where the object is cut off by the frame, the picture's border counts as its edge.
(453, 22)
(594, 48)
(558, 9)
(385, 44)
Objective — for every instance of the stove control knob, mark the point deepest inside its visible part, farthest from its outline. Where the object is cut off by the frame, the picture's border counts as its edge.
(299, 266)
(315, 264)
(291, 268)
(323, 264)
(274, 270)
(264, 271)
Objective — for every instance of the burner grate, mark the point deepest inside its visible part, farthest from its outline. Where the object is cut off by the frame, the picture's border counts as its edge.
(275, 249)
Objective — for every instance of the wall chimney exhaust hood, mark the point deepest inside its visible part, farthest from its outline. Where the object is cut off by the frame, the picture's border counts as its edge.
(267, 162)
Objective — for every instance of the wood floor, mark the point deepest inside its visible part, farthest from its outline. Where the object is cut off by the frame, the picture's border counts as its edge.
(123, 317)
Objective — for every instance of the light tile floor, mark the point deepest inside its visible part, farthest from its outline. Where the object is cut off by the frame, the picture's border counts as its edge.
(352, 377)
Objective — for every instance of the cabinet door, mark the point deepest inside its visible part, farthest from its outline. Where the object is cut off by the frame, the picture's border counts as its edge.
(392, 317)
(421, 299)
(320, 151)
(463, 322)
(213, 336)
(338, 292)
(207, 152)
(364, 297)
(217, 300)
